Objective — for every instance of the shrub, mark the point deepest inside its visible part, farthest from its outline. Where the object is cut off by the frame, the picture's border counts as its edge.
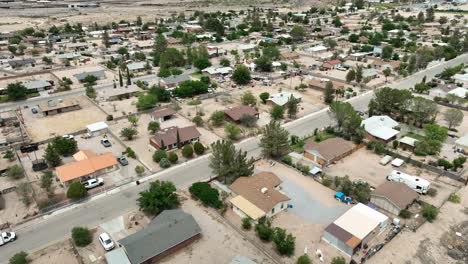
(326, 181)
(405, 214)
(139, 170)
(430, 212)
(304, 259)
(444, 163)
(172, 157)
(287, 159)
(76, 190)
(187, 151)
(264, 230)
(164, 163)
(159, 155)
(19, 258)
(246, 223)
(454, 198)
(130, 153)
(15, 172)
(432, 192)
(208, 195)
(198, 120)
(338, 260)
(217, 118)
(109, 118)
(395, 144)
(81, 236)
(285, 243)
(198, 148)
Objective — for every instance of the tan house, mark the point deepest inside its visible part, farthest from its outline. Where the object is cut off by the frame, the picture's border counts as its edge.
(258, 196)
(168, 137)
(53, 107)
(87, 164)
(393, 197)
(328, 151)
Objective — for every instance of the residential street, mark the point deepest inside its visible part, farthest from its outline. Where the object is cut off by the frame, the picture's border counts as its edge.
(37, 233)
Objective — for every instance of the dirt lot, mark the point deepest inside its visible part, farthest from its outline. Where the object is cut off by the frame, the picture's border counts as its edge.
(119, 108)
(375, 174)
(58, 253)
(69, 73)
(47, 77)
(41, 128)
(426, 245)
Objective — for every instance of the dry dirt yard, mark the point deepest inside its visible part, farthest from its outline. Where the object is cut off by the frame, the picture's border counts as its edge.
(219, 242)
(70, 72)
(428, 245)
(58, 253)
(41, 127)
(119, 108)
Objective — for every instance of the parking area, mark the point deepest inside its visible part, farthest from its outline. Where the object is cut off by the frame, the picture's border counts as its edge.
(41, 127)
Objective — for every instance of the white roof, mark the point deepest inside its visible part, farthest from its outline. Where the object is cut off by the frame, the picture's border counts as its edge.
(135, 66)
(117, 256)
(70, 55)
(282, 98)
(213, 70)
(461, 77)
(459, 91)
(409, 178)
(316, 48)
(360, 220)
(276, 64)
(37, 84)
(463, 141)
(380, 126)
(97, 126)
(409, 141)
(246, 46)
(397, 162)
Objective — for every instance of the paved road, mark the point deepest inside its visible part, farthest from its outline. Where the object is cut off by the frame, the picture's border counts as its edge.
(37, 233)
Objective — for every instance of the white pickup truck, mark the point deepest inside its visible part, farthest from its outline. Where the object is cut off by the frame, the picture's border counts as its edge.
(93, 183)
(6, 237)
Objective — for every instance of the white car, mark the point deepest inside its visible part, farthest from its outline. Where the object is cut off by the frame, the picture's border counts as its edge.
(93, 183)
(6, 237)
(106, 241)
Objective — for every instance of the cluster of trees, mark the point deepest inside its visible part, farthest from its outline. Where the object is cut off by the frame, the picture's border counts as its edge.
(160, 196)
(285, 243)
(207, 194)
(57, 147)
(348, 121)
(191, 88)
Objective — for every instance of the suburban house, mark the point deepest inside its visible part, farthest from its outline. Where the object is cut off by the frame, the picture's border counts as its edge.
(97, 129)
(459, 91)
(408, 143)
(162, 114)
(328, 151)
(380, 128)
(21, 63)
(369, 73)
(355, 228)
(87, 164)
(135, 67)
(258, 196)
(216, 71)
(118, 93)
(167, 138)
(393, 197)
(37, 85)
(236, 113)
(282, 98)
(68, 56)
(82, 76)
(173, 80)
(167, 233)
(330, 65)
(52, 107)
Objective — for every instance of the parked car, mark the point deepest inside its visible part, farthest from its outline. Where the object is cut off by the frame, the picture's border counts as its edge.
(6, 237)
(93, 183)
(105, 142)
(106, 241)
(69, 136)
(122, 160)
(34, 110)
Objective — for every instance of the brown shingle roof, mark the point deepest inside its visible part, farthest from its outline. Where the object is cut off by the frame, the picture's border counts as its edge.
(169, 135)
(236, 113)
(251, 189)
(162, 112)
(396, 192)
(329, 148)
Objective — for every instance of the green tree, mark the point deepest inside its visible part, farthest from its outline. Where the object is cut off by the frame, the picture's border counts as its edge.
(338, 260)
(248, 98)
(76, 191)
(264, 64)
(430, 212)
(187, 151)
(435, 132)
(246, 223)
(46, 181)
(292, 107)
(358, 77)
(9, 155)
(271, 52)
(198, 120)
(264, 230)
(172, 157)
(453, 117)
(350, 76)
(164, 163)
(15, 172)
(329, 93)
(264, 96)
(387, 52)
(285, 243)
(153, 126)
(228, 163)
(128, 132)
(304, 259)
(51, 156)
(159, 155)
(241, 75)
(232, 131)
(147, 101)
(208, 195)
(64, 146)
(224, 62)
(19, 258)
(16, 91)
(160, 45)
(82, 236)
(274, 141)
(160, 196)
(198, 148)
(217, 118)
(133, 119)
(139, 170)
(277, 112)
(202, 63)
(297, 33)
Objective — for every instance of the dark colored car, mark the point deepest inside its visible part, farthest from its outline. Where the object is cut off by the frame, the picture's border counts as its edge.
(122, 160)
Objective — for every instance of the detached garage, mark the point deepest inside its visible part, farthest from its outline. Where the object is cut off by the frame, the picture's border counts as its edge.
(355, 228)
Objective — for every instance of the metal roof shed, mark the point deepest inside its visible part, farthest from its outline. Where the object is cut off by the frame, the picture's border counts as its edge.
(97, 128)
(117, 256)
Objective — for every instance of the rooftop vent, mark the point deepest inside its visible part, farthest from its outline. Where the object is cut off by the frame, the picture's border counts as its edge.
(264, 190)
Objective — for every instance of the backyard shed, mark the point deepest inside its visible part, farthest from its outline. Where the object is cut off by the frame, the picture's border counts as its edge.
(97, 129)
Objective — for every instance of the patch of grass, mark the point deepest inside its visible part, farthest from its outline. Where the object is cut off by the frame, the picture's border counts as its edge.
(195, 102)
(463, 12)
(416, 136)
(454, 198)
(323, 136)
(196, 75)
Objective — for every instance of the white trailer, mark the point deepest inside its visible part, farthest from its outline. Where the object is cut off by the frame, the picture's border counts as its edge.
(418, 184)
